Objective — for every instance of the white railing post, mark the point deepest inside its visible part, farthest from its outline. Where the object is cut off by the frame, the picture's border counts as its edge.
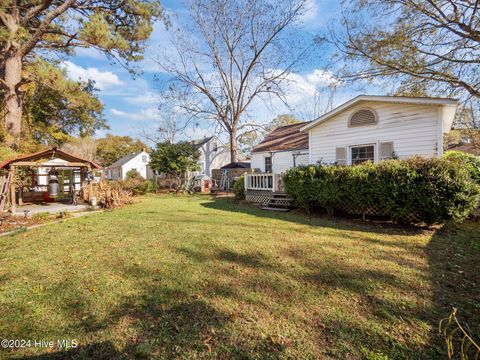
(265, 182)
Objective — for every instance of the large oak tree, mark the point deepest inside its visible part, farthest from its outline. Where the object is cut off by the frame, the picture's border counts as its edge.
(30, 29)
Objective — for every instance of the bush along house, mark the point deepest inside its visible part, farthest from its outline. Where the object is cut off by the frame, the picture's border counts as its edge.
(366, 128)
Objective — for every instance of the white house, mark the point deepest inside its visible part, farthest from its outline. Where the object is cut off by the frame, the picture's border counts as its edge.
(285, 147)
(213, 154)
(380, 127)
(135, 161)
(366, 128)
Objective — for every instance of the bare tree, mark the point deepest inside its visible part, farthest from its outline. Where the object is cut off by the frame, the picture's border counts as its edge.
(169, 129)
(241, 51)
(320, 103)
(85, 147)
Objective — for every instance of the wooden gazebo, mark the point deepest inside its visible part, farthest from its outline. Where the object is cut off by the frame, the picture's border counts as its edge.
(48, 158)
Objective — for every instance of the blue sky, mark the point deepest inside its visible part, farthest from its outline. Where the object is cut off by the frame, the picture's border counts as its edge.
(131, 104)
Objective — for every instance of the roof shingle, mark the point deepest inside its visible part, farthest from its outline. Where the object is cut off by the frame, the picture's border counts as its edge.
(286, 137)
(125, 159)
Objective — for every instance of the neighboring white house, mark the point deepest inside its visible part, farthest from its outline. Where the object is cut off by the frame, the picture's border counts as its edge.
(213, 154)
(380, 127)
(136, 161)
(283, 148)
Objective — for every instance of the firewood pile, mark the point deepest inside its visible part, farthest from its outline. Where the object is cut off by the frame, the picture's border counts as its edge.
(109, 194)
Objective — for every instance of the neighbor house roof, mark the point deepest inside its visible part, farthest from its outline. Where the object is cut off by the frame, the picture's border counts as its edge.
(286, 137)
(378, 98)
(122, 161)
(199, 143)
(237, 165)
(52, 153)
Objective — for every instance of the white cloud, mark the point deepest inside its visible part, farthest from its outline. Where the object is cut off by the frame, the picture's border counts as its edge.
(311, 14)
(103, 79)
(320, 13)
(320, 77)
(302, 87)
(304, 93)
(90, 53)
(146, 98)
(146, 114)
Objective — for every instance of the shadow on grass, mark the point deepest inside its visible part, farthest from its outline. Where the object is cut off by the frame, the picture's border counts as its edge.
(232, 205)
(454, 259)
(101, 351)
(453, 255)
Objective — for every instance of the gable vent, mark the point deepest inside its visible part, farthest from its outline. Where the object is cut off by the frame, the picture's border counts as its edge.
(363, 117)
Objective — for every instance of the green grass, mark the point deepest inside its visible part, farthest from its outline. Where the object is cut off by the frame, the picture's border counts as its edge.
(203, 277)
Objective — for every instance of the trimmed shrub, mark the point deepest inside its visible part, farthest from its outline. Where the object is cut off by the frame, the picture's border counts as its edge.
(133, 174)
(470, 161)
(434, 190)
(239, 188)
(138, 186)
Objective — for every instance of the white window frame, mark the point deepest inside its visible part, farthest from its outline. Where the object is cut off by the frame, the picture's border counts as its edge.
(375, 151)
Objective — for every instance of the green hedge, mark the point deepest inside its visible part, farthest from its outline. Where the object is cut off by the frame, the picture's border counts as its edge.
(436, 190)
(138, 186)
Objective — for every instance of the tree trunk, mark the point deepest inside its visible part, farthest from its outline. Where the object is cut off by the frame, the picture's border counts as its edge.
(233, 146)
(13, 98)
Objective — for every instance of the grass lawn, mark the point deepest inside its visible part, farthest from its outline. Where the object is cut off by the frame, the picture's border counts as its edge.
(203, 277)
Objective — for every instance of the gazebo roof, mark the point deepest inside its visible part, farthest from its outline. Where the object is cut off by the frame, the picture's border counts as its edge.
(49, 153)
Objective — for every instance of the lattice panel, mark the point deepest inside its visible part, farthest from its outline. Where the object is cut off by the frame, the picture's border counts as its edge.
(281, 202)
(373, 211)
(267, 197)
(257, 198)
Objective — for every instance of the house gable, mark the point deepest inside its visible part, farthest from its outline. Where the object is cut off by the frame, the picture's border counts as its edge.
(365, 99)
(409, 128)
(119, 168)
(213, 154)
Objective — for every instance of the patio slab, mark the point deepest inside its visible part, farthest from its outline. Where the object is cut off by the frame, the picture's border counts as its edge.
(52, 208)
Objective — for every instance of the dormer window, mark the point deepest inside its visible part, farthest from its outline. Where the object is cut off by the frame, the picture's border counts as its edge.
(363, 117)
(214, 147)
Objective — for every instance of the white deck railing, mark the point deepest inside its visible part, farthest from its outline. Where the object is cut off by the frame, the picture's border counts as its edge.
(263, 181)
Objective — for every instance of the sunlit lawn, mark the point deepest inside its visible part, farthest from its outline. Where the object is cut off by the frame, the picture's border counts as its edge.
(200, 277)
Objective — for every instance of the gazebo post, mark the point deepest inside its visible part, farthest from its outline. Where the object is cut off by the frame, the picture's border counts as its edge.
(13, 201)
(90, 186)
(82, 180)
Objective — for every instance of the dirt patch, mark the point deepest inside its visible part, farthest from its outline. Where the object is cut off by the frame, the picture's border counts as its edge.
(10, 222)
